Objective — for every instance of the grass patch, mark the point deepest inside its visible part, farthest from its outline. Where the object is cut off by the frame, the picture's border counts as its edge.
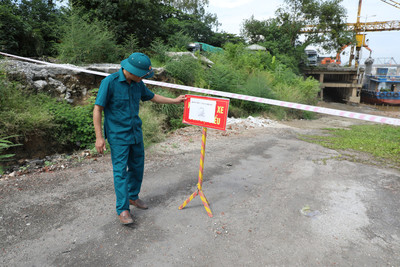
(152, 126)
(382, 142)
(172, 114)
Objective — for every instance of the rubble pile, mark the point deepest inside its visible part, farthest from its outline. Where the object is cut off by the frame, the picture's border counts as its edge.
(250, 122)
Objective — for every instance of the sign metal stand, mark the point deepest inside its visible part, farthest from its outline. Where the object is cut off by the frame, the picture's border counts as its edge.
(207, 112)
(199, 190)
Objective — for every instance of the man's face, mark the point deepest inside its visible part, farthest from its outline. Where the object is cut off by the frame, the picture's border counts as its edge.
(131, 77)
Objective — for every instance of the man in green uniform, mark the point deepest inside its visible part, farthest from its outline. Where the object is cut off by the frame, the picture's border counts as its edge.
(119, 96)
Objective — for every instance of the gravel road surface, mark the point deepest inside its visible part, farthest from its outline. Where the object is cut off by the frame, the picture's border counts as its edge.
(276, 201)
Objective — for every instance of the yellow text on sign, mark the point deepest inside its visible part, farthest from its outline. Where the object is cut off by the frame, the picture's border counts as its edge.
(220, 110)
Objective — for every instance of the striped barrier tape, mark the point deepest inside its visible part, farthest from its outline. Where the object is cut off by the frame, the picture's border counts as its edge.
(64, 66)
(322, 110)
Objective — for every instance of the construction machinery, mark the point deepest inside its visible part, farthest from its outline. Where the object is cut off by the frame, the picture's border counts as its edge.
(312, 57)
(338, 60)
(360, 30)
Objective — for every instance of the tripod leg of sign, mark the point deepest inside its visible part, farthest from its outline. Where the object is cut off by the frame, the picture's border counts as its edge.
(199, 190)
(189, 199)
(205, 203)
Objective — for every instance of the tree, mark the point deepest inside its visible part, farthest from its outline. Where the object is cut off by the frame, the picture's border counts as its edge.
(151, 19)
(179, 40)
(125, 17)
(12, 30)
(282, 34)
(328, 16)
(197, 26)
(84, 42)
(189, 6)
(220, 38)
(29, 28)
(280, 39)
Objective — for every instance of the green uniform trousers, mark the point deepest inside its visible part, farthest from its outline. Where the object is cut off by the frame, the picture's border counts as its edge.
(128, 167)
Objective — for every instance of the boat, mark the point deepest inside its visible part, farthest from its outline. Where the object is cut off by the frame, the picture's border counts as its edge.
(381, 89)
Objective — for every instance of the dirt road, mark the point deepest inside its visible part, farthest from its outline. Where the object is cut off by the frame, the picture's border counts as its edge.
(276, 201)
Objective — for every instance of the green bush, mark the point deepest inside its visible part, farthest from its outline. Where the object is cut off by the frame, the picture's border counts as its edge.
(221, 77)
(179, 41)
(74, 124)
(130, 45)
(293, 88)
(256, 85)
(159, 50)
(84, 42)
(152, 126)
(238, 57)
(185, 70)
(20, 113)
(172, 113)
(259, 74)
(40, 115)
(290, 62)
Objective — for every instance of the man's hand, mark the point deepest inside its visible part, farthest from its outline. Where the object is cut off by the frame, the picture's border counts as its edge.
(100, 145)
(100, 142)
(180, 99)
(166, 100)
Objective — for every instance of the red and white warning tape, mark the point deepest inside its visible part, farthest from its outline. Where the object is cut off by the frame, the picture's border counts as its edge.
(329, 111)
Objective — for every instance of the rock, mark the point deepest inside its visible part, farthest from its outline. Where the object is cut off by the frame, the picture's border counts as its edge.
(68, 98)
(70, 85)
(36, 162)
(40, 85)
(61, 83)
(61, 89)
(58, 85)
(40, 75)
(160, 74)
(107, 68)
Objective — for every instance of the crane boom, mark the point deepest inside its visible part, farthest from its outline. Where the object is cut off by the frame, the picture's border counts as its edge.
(392, 3)
(377, 26)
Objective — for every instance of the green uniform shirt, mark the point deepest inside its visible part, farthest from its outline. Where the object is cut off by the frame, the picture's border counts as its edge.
(122, 125)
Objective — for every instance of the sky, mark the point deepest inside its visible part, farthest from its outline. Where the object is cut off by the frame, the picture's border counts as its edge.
(386, 44)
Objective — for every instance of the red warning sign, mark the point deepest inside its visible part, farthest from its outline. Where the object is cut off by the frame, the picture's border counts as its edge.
(209, 112)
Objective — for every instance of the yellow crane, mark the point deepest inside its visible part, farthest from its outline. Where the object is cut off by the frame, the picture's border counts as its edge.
(392, 3)
(361, 28)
